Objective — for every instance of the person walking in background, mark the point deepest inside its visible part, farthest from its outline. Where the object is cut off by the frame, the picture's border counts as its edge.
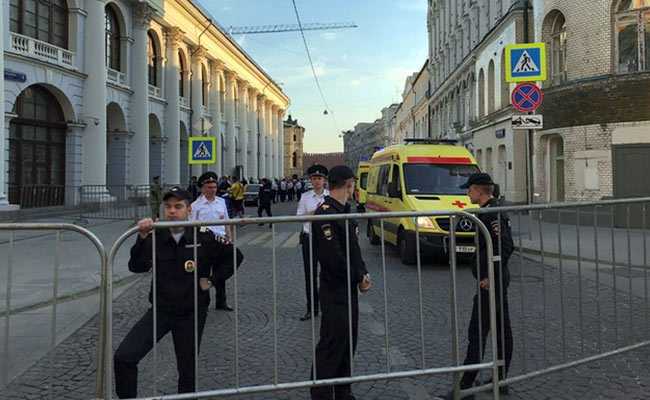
(237, 197)
(193, 188)
(274, 190)
(265, 199)
(283, 190)
(290, 190)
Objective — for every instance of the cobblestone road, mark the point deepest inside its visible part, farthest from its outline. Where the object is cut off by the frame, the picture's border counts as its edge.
(538, 328)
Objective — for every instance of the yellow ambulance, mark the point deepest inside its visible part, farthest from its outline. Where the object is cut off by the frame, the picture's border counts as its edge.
(420, 175)
(360, 193)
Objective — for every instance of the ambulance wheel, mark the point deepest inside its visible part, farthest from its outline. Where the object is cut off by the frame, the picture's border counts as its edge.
(406, 249)
(374, 239)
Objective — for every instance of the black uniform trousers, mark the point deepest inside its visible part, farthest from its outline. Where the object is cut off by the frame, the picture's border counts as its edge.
(264, 207)
(474, 352)
(220, 292)
(311, 271)
(333, 349)
(283, 195)
(139, 341)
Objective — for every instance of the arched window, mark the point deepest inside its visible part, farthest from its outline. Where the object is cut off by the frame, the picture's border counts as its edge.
(45, 20)
(491, 94)
(632, 28)
(505, 86)
(481, 93)
(204, 85)
(558, 49)
(153, 56)
(294, 160)
(182, 69)
(112, 40)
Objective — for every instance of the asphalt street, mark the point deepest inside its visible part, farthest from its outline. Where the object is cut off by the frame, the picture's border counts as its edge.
(557, 314)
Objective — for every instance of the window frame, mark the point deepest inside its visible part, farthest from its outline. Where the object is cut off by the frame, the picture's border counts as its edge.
(113, 39)
(153, 55)
(641, 16)
(53, 7)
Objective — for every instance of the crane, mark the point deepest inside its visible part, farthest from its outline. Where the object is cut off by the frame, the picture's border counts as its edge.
(249, 30)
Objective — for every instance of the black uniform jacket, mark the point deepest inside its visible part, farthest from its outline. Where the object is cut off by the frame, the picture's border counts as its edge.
(175, 263)
(265, 194)
(499, 234)
(330, 238)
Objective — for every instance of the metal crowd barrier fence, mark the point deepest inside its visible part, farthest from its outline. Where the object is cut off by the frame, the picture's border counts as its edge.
(120, 202)
(105, 382)
(54, 299)
(591, 260)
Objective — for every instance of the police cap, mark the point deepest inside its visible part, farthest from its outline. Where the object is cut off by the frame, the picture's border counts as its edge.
(479, 178)
(179, 193)
(208, 177)
(317, 170)
(338, 175)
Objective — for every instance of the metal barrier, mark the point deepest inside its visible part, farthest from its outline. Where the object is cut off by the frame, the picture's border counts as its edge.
(56, 296)
(122, 202)
(424, 370)
(571, 248)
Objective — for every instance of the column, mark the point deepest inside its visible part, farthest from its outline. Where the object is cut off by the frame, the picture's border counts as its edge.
(274, 136)
(73, 163)
(252, 125)
(281, 143)
(197, 98)
(242, 86)
(4, 201)
(216, 68)
(261, 111)
(172, 167)
(268, 140)
(230, 124)
(139, 160)
(94, 111)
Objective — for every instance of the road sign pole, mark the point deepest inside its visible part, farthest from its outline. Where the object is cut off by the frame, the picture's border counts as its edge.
(531, 149)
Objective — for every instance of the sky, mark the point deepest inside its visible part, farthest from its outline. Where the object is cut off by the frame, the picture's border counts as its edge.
(361, 70)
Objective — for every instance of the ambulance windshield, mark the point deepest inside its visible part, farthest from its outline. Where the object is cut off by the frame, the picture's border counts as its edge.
(437, 179)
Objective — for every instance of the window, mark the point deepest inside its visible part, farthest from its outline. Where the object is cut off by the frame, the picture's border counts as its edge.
(204, 85)
(633, 35)
(491, 94)
(45, 20)
(294, 138)
(181, 74)
(112, 40)
(294, 160)
(558, 49)
(363, 180)
(395, 181)
(382, 181)
(152, 59)
(481, 94)
(438, 179)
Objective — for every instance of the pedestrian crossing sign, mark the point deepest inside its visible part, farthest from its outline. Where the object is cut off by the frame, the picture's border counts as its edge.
(526, 62)
(202, 150)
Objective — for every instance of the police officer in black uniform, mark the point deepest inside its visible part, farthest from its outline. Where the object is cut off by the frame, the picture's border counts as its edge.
(333, 350)
(175, 281)
(480, 189)
(265, 197)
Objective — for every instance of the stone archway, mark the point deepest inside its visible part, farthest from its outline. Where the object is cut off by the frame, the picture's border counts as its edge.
(37, 149)
(155, 148)
(117, 150)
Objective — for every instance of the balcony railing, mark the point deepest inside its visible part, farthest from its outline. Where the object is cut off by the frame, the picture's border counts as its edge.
(44, 51)
(184, 102)
(116, 77)
(154, 91)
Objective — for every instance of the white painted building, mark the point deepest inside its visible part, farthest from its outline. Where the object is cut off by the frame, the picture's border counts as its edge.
(107, 93)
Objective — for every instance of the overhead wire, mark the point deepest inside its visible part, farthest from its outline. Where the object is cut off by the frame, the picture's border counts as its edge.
(311, 63)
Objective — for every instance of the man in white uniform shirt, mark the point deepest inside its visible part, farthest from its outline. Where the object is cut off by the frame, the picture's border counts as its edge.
(210, 207)
(308, 204)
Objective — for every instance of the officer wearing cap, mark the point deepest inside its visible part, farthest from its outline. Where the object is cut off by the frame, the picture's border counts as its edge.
(210, 207)
(177, 274)
(307, 205)
(480, 189)
(333, 349)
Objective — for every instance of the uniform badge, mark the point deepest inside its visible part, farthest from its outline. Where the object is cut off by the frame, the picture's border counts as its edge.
(190, 266)
(203, 229)
(327, 232)
(325, 206)
(356, 230)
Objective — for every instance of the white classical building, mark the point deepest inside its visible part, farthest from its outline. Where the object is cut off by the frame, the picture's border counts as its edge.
(107, 92)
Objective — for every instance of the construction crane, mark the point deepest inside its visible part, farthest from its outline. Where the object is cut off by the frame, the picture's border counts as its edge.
(251, 30)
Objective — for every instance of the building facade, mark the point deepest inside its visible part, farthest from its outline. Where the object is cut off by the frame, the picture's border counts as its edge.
(412, 116)
(294, 136)
(596, 137)
(469, 96)
(329, 160)
(107, 93)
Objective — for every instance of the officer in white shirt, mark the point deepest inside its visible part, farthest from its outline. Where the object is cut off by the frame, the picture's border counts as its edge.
(308, 204)
(210, 207)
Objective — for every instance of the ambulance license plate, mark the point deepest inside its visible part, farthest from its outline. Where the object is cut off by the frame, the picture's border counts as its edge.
(465, 249)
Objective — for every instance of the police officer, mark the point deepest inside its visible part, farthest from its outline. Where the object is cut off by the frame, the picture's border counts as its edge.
(308, 204)
(333, 349)
(176, 275)
(210, 207)
(480, 189)
(265, 197)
